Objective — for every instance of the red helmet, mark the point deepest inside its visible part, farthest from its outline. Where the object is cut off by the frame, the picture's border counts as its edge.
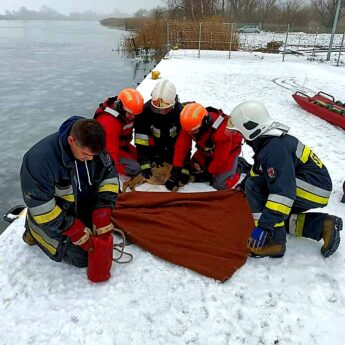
(192, 116)
(132, 101)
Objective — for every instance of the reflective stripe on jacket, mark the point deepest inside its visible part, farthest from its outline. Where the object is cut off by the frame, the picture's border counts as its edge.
(50, 186)
(156, 133)
(295, 176)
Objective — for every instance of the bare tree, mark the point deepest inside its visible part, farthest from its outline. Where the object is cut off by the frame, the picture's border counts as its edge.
(266, 9)
(291, 11)
(194, 9)
(325, 10)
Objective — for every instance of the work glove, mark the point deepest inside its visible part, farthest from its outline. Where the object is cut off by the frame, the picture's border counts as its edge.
(257, 238)
(102, 225)
(173, 182)
(146, 170)
(200, 173)
(79, 234)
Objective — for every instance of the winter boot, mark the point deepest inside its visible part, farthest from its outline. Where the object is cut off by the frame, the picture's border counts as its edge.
(28, 239)
(332, 225)
(272, 250)
(274, 246)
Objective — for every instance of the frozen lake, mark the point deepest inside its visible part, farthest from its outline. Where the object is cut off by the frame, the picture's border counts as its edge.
(51, 70)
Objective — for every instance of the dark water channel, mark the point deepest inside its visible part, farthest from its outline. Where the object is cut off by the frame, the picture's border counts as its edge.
(49, 71)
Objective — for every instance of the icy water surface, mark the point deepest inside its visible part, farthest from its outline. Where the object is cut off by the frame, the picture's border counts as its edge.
(49, 71)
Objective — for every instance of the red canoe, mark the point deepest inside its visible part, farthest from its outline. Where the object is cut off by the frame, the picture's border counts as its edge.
(324, 106)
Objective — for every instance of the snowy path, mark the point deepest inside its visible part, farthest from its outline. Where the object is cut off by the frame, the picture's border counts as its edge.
(299, 299)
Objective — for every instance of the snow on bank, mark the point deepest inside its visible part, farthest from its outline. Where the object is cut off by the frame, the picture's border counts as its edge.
(298, 299)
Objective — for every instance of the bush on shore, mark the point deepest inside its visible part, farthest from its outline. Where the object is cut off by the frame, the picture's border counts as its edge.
(160, 36)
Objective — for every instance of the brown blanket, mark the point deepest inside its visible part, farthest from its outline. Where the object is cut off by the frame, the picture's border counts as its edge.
(206, 232)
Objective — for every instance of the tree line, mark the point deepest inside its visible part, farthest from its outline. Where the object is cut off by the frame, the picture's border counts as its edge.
(295, 12)
(48, 13)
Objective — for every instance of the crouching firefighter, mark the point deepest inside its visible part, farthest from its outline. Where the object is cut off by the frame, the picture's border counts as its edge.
(116, 115)
(157, 128)
(286, 180)
(70, 187)
(215, 159)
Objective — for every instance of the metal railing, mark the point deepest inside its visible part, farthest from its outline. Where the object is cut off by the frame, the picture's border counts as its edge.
(281, 39)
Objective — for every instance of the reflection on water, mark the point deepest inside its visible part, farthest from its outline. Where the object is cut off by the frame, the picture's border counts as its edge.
(50, 71)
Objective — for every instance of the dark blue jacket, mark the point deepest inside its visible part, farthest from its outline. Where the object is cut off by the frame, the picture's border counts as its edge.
(295, 177)
(51, 188)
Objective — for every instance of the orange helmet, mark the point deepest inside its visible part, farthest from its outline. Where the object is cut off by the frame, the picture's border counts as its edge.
(192, 116)
(132, 101)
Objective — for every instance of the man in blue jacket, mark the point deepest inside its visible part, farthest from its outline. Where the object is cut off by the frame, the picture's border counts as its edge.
(69, 185)
(286, 180)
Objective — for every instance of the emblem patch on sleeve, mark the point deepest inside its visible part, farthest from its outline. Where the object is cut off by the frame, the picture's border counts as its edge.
(271, 172)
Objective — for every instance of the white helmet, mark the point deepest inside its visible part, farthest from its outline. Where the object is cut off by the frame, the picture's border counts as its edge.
(163, 97)
(252, 119)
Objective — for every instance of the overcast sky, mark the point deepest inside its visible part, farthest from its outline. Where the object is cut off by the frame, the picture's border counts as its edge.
(68, 6)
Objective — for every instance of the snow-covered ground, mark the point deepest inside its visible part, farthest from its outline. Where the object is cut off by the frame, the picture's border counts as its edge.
(295, 40)
(299, 299)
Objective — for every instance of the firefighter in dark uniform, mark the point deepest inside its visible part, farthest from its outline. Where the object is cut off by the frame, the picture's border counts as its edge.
(116, 115)
(215, 159)
(157, 128)
(286, 180)
(69, 186)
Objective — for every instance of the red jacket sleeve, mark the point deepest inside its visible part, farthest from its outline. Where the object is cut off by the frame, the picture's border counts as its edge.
(226, 149)
(112, 128)
(182, 146)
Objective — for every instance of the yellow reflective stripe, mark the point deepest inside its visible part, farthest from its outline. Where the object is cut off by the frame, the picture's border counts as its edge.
(256, 222)
(311, 197)
(252, 173)
(300, 224)
(47, 217)
(145, 166)
(173, 131)
(277, 225)
(69, 197)
(305, 154)
(274, 206)
(185, 171)
(109, 188)
(42, 242)
(141, 142)
(316, 159)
